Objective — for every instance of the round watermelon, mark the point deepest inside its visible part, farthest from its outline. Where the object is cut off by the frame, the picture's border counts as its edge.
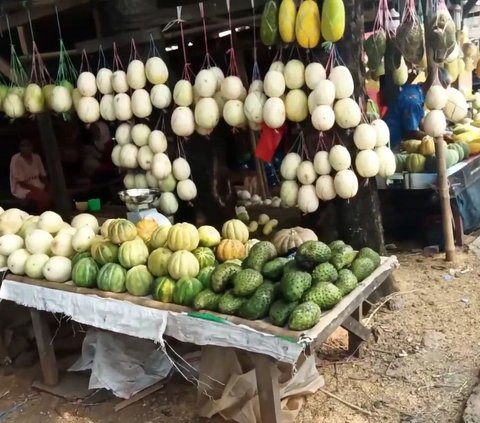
(78, 256)
(205, 275)
(186, 289)
(85, 273)
(112, 277)
(139, 281)
(205, 256)
(162, 289)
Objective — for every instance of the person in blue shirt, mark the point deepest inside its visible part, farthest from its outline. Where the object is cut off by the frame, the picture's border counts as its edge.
(406, 110)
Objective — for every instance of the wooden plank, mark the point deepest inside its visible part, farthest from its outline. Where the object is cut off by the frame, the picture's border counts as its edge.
(139, 396)
(5, 67)
(351, 302)
(48, 362)
(354, 326)
(23, 36)
(268, 389)
(53, 161)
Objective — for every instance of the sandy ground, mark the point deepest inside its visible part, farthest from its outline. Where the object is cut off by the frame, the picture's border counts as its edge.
(420, 366)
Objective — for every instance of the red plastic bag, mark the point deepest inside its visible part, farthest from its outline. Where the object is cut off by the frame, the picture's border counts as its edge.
(268, 142)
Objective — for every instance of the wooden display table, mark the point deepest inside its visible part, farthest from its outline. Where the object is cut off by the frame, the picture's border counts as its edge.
(121, 313)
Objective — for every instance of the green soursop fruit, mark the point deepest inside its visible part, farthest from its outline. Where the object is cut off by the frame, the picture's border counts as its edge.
(346, 282)
(371, 254)
(324, 272)
(343, 257)
(229, 304)
(311, 254)
(274, 269)
(246, 282)
(294, 284)
(280, 312)
(222, 275)
(362, 268)
(291, 266)
(325, 295)
(256, 307)
(304, 316)
(207, 300)
(336, 245)
(259, 254)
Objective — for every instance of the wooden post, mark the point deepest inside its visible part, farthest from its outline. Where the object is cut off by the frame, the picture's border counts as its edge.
(268, 389)
(444, 194)
(48, 362)
(53, 163)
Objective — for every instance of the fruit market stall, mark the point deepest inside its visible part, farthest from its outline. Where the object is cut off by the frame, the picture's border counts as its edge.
(197, 285)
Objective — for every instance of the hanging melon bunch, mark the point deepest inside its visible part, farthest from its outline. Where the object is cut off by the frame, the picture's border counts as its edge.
(207, 111)
(274, 86)
(254, 105)
(435, 122)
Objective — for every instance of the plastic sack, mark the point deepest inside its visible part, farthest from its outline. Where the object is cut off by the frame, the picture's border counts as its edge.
(228, 378)
(442, 33)
(120, 363)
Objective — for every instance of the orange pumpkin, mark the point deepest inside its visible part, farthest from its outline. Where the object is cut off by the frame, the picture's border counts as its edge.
(230, 249)
(146, 228)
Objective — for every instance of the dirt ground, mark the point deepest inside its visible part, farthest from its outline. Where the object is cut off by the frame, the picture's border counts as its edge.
(420, 366)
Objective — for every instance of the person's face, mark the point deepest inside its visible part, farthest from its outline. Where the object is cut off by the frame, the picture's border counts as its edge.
(26, 148)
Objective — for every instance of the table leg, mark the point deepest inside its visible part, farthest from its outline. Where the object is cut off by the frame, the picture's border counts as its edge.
(458, 229)
(357, 333)
(268, 390)
(46, 352)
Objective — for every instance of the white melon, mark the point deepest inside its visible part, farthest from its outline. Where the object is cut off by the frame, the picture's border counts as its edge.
(128, 156)
(323, 118)
(186, 190)
(435, 123)
(104, 81)
(129, 181)
(145, 157)
(62, 245)
(61, 101)
(39, 241)
(365, 136)
(294, 74)
(107, 108)
(314, 73)
(256, 85)
(157, 141)
(152, 182)
(83, 239)
(307, 199)
(168, 204)
(123, 134)
(16, 261)
(289, 193)
(161, 166)
(456, 108)
(306, 174)
(324, 93)
(274, 84)
(206, 83)
(274, 113)
(88, 110)
(343, 81)
(219, 75)
(119, 82)
(167, 184)
(136, 77)
(253, 106)
(232, 88)
(161, 96)
(57, 269)
(339, 158)
(387, 161)
(10, 243)
(183, 93)
(34, 264)
(141, 104)
(141, 181)
(383, 132)
(156, 71)
(277, 66)
(233, 114)
(325, 188)
(183, 122)
(289, 166)
(87, 84)
(207, 113)
(321, 163)
(123, 107)
(85, 219)
(181, 169)
(140, 133)
(50, 221)
(367, 163)
(347, 113)
(296, 105)
(346, 184)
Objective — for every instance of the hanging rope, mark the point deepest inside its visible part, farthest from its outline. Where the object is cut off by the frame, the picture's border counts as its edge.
(208, 58)
(117, 62)
(39, 73)
(102, 61)
(256, 68)
(233, 67)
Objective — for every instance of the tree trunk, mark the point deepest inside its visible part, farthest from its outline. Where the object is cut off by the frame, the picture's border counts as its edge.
(359, 219)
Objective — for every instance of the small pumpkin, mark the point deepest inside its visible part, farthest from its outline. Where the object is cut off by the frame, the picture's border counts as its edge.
(289, 239)
(415, 163)
(146, 228)
(400, 162)
(427, 146)
(459, 149)
(411, 146)
(466, 150)
(230, 249)
(451, 158)
(121, 230)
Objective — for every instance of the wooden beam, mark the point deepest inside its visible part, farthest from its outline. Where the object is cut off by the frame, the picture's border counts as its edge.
(24, 38)
(21, 18)
(54, 165)
(268, 389)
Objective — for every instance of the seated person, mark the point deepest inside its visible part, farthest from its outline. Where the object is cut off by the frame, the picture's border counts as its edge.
(28, 180)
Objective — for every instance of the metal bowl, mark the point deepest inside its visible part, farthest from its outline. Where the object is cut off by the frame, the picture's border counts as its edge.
(139, 196)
